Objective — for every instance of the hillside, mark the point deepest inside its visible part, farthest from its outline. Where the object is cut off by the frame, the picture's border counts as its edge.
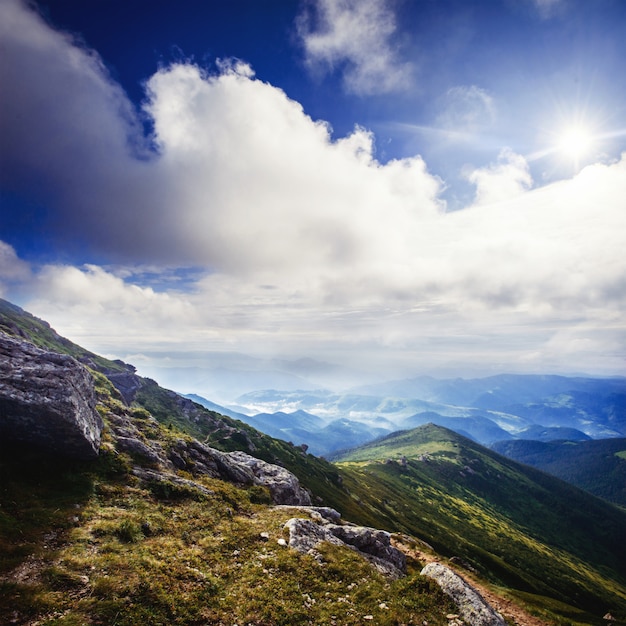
(598, 466)
(148, 533)
(522, 527)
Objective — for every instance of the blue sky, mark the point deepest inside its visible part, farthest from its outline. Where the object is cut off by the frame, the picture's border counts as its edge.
(397, 186)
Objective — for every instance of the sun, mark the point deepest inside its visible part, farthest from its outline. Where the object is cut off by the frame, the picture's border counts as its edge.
(575, 142)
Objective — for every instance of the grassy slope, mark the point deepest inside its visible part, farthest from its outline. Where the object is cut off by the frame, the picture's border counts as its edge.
(15, 321)
(515, 524)
(598, 466)
(497, 529)
(86, 543)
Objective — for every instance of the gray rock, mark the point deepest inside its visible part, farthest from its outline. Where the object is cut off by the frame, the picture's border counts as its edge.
(284, 487)
(375, 545)
(239, 468)
(138, 448)
(305, 535)
(473, 608)
(317, 513)
(47, 399)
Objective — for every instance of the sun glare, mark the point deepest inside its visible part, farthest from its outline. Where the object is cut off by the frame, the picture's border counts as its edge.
(575, 142)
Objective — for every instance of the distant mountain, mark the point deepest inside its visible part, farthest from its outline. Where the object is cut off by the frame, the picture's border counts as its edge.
(300, 427)
(598, 466)
(487, 409)
(537, 432)
(213, 406)
(493, 392)
(478, 428)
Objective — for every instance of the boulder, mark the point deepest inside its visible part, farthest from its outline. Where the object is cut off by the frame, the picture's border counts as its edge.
(47, 399)
(471, 605)
(284, 487)
(375, 545)
(239, 468)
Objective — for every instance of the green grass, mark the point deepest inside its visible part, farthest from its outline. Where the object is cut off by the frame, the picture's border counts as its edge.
(123, 555)
(518, 526)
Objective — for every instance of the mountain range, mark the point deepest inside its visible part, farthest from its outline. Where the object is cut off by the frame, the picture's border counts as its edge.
(180, 514)
(487, 410)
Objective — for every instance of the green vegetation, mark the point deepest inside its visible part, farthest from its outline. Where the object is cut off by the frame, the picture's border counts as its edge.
(226, 434)
(517, 526)
(598, 466)
(88, 543)
(96, 548)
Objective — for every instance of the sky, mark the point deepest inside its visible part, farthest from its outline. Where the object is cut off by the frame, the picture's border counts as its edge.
(393, 187)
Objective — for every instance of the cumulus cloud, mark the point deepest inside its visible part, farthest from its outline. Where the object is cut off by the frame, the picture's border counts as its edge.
(299, 241)
(12, 268)
(354, 36)
(243, 177)
(503, 180)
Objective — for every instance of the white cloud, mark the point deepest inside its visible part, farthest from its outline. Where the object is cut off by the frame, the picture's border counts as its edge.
(466, 110)
(308, 245)
(256, 180)
(503, 180)
(12, 268)
(354, 36)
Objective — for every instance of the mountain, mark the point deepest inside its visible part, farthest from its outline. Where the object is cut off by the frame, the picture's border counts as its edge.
(475, 427)
(598, 466)
(319, 436)
(486, 409)
(596, 406)
(174, 518)
(536, 432)
(531, 531)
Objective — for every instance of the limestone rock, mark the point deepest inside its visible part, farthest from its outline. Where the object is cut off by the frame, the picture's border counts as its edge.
(284, 487)
(47, 399)
(472, 607)
(375, 545)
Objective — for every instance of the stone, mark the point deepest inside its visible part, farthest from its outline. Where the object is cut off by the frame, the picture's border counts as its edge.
(375, 545)
(473, 608)
(239, 468)
(284, 487)
(317, 513)
(47, 399)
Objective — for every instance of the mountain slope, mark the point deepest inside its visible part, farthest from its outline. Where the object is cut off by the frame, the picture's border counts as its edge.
(529, 530)
(89, 543)
(598, 466)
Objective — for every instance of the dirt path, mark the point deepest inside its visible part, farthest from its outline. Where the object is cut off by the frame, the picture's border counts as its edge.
(507, 608)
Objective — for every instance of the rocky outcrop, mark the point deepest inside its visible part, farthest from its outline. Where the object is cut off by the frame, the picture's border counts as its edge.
(473, 609)
(284, 487)
(126, 382)
(305, 535)
(47, 399)
(200, 460)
